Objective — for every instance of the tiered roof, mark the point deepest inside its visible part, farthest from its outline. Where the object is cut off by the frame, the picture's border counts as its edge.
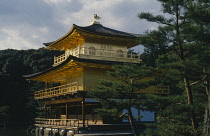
(76, 33)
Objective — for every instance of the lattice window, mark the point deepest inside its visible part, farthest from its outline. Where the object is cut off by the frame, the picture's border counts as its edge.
(92, 50)
(106, 47)
(119, 53)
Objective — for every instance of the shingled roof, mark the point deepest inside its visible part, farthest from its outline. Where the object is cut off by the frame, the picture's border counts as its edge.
(98, 29)
(104, 62)
(101, 30)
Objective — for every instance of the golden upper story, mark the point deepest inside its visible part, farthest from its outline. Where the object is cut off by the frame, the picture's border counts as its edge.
(89, 52)
(96, 42)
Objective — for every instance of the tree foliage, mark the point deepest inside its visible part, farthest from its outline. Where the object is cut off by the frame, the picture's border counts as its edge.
(16, 92)
(119, 94)
(184, 56)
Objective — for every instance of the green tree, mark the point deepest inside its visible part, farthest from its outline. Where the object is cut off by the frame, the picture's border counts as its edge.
(155, 43)
(200, 13)
(183, 48)
(128, 78)
(4, 114)
(16, 92)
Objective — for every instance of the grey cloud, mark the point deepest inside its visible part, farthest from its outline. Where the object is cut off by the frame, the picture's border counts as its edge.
(35, 21)
(33, 12)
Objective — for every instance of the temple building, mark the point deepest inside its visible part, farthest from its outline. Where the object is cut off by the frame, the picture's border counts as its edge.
(88, 53)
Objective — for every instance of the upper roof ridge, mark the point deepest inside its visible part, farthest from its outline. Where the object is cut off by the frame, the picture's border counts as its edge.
(95, 23)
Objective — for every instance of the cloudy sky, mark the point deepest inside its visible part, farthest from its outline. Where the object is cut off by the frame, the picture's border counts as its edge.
(26, 24)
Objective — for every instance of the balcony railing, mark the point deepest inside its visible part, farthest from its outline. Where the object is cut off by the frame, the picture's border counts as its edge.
(155, 90)
(61, 122)
(58, 90)
(97, 54)
(66, 122)
(162, 89)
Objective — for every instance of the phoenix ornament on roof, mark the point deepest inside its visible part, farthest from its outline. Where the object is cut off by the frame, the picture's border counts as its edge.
(96, 17)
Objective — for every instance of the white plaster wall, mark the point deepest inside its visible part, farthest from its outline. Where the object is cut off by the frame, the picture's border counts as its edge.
(113, 46)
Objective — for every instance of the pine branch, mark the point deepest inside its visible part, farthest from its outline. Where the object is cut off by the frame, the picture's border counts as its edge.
(200, 73)
(124, 80)
(199, 80)
(195, 47)
(184, 21)
(175, 50)
(158, 19)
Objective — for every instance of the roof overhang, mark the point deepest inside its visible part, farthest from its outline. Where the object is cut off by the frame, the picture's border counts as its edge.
(77, 35)
(68, 41)
(72, 65)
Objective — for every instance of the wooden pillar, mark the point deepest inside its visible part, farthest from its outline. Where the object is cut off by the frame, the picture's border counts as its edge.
(50, 111)
(78, 49)
(46, 85)
(83, 111)
(67, 111)
(60, 112)
(45, 111)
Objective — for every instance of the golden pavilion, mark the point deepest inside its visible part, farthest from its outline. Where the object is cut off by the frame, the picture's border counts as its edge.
(88, 53)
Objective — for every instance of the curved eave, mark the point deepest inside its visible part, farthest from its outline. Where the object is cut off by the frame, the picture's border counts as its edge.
(47, 44)
(87, 31)
(110, 32)
(70, 62)
(38, 75)
(51, 44)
